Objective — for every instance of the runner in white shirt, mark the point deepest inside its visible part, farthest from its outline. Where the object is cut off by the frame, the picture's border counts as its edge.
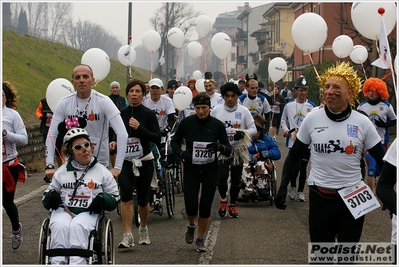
(381, 113)
(240, 128)
(293, 114)
(254, 102)
(163, 107)
(337, 137)
(98, 110)
(210, 85)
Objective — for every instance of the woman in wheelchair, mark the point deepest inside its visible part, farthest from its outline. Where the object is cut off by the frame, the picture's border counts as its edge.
(262, 150)
(79, 191)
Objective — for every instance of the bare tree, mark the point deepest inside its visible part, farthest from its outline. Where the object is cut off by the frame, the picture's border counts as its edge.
(59, 18)
(173, 14)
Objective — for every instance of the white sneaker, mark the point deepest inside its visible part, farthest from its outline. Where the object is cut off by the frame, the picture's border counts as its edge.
(292, 193)
(144, 237)
(17, 239)
(127, 241)
(301, 197)
(275, 139)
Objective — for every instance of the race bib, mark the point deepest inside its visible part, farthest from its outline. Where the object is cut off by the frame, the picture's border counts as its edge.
(202, 155)
(359, 199)
(49, 117)
(82, 199)
(134, 150)
(275, 109)
(230, 136)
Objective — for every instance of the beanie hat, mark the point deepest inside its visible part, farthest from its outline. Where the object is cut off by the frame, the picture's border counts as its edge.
(114, 83)
(376, 85)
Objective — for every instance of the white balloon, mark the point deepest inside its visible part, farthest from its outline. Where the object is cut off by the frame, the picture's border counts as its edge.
(176, 37)
(98, 61)
(197, 74)
(182, 97)
(194, 49)
(367, 20)
(277, 68)
(309, 32)
(342, 46)
(199, 85)
(359, 54)
(56, 90)
(126, 55)
(203, 25)
(151, 40)
(221, 45)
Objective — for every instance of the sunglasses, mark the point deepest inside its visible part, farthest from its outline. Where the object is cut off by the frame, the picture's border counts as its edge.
(79, 147)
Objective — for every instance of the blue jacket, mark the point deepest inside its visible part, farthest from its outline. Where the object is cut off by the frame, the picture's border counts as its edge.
(264, 142)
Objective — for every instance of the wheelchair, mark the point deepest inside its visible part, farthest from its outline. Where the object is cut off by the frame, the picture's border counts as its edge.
(100, 249)
(271, 180)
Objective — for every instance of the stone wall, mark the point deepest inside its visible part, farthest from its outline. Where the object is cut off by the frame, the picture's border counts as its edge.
(34, 150)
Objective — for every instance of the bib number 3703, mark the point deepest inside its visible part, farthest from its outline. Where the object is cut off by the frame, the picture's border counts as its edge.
(359, 199)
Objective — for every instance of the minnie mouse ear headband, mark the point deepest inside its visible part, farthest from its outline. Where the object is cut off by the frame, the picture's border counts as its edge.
(66, 125)
(253, 76)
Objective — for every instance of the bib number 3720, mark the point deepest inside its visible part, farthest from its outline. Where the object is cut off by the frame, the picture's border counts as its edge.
(359, 199)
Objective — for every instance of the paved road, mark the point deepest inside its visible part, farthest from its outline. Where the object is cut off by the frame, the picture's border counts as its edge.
(261, 235)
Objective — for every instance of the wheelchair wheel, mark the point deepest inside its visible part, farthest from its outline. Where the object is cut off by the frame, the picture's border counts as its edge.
(273, 185)
(107, 251)
(44, 240)
(168, 191)
(136, 209)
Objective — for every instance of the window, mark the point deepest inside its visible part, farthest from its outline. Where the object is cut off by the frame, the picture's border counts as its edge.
(233, 57)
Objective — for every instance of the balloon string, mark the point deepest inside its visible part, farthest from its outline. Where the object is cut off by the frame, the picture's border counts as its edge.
(95, 84)
(225, 69)
(59, 152)
(151, 65)
(177, 65)
(364, 72)
(314, 67)
(203, 48)
(271, 119)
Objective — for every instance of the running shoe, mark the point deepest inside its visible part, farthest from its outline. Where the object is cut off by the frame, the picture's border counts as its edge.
(144, 237)
(127, 241)
(301, 197)
(292, 193)
(200, 245)
(233, 212)
(222, 208)
(189, 235)
(17, 239)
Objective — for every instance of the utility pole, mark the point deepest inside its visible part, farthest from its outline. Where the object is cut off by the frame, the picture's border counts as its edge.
(129, 38)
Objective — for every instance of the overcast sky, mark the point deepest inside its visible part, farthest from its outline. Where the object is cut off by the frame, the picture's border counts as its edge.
(113, 16)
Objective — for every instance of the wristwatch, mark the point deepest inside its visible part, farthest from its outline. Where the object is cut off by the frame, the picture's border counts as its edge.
(4, 133)
(48, 167)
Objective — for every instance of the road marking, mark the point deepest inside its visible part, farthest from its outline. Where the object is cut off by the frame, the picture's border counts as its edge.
(210, 242)
(32, 194)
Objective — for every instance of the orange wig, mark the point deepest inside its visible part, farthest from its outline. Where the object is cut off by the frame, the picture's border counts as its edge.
(376, 85)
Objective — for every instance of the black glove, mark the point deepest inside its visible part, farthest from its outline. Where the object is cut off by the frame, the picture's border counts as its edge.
(54, 200)
(380, 123)
(279, 200)
(239, 135)
(264, 154)
(215, 146)
(96, 205)
(165, 131)
(185, 156)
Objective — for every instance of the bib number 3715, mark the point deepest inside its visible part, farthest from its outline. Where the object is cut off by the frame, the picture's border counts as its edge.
(359, 199)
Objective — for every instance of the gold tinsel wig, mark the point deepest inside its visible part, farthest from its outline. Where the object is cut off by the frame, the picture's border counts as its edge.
(347, 72)
(376, 85)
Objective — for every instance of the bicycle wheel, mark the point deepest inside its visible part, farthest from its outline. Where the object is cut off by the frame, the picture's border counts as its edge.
(135, 209)
(176, 178)
(167, 190)
(273, 185)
